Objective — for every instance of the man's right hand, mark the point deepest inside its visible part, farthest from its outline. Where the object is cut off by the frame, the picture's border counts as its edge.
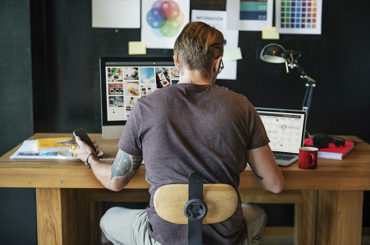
(262, 162)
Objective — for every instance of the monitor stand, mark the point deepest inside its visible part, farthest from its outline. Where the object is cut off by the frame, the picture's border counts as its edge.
(112, 131)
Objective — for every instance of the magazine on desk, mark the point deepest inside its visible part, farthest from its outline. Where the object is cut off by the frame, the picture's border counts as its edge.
(50, 148)
(28, 150)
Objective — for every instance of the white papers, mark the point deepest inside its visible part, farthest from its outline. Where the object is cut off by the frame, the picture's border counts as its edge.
(28, 150)
(249, 15)
(298, 17)
(162, 21)
(116, 13)
(217, 19)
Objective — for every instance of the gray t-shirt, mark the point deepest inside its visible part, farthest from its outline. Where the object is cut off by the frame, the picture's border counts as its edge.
(189, 128)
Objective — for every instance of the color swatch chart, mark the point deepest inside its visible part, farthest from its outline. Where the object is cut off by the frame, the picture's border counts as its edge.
(298, 16)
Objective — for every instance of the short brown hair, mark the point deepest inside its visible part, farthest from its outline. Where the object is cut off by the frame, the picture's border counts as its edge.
(198, 45)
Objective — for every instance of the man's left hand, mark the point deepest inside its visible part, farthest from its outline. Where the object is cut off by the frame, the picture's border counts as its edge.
(84, 149)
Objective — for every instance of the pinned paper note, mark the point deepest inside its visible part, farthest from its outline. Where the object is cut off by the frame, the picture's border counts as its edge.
(115, 13)
(270, 33)
(233, 54)
(136, 47)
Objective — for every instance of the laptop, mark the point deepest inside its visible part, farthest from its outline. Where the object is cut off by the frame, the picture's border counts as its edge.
(285, 129)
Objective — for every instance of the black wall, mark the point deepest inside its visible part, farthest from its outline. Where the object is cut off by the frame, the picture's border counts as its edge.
(337, 59)
(65, 78)
(17, 206)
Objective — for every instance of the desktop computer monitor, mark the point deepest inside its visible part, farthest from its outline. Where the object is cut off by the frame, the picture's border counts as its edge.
(125, 80)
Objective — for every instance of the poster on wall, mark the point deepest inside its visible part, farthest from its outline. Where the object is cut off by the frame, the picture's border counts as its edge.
(298, 16)
(162, 21)
(249, 15)
(115, 13)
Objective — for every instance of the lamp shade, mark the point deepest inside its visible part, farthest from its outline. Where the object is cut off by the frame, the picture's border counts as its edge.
(273, 53)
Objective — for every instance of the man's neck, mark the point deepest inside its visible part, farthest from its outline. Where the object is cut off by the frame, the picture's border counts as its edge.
(194, 77)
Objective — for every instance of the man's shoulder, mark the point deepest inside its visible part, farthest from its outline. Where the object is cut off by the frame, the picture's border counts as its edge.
(230, 94)
(157, 94)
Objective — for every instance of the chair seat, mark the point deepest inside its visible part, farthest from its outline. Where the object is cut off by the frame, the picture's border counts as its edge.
(221, 200)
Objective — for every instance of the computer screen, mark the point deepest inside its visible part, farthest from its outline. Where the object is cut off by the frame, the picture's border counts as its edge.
(125, 80)
(285, 129)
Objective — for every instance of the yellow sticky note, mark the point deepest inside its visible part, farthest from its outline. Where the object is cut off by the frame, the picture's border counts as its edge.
(136, 47)
(270, 33)
(233, 54)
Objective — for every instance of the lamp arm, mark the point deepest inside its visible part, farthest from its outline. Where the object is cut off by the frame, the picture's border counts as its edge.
(310, 84)
(302, 73)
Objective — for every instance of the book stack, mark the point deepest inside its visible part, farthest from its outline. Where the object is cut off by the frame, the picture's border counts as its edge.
(333, 151)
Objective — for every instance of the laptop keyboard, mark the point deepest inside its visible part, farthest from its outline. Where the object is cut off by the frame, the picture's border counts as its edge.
(283, 156)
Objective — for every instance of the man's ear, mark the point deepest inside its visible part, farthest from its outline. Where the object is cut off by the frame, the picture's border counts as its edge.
(176, 62)
(216, 65)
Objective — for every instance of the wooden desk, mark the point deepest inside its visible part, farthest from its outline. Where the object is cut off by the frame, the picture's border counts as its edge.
(329, 199)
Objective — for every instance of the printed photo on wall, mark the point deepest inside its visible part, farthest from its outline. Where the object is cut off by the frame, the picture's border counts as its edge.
(132, 88)
(114, 74)
(146, 75)
(115, 89)
(115, 101)
(130, 73)
(162, 77)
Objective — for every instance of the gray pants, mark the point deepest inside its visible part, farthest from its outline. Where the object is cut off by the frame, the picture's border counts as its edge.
(123, 226)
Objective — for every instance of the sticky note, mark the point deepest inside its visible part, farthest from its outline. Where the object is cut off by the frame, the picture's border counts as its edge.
(233, 54)
(270, 33)
(136, 47)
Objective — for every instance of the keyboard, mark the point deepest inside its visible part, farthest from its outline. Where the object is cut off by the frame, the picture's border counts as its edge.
(284, 159)
(283, 156)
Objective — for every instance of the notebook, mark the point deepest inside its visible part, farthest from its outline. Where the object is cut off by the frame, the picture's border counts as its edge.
(285, 129)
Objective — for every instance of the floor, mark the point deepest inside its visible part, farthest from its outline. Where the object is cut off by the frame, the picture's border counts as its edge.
(284, 236)
(277, 236)
(273, 237)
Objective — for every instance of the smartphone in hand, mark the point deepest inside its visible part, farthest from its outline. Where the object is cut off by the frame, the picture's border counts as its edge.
(81, 132)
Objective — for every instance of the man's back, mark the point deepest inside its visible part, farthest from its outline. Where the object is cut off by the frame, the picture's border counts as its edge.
(194, 128)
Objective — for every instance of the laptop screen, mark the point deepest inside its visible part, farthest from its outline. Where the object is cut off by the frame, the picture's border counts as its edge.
(285, 129)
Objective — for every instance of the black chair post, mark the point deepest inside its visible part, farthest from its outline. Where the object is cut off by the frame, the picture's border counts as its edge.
(195, 209)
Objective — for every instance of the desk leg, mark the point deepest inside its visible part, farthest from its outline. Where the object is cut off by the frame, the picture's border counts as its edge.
(57, 216)
(339, 220)
(307, 217)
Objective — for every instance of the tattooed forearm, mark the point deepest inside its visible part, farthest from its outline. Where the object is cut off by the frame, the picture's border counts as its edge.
(255, 172)
(124, 166)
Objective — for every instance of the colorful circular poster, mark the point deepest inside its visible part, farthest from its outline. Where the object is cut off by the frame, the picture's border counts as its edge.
(165, 18)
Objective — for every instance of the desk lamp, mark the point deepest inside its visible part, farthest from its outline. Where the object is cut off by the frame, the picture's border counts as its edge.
(275, 53)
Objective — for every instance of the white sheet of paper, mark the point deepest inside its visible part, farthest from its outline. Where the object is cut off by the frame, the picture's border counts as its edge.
(162, 21)
(217, 19)
(249, 15)
(116, 13)
(296, 17)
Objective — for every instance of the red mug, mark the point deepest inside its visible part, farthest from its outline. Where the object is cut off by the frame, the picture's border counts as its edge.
(307, 157)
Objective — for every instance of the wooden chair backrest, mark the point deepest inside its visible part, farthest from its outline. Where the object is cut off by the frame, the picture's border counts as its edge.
(221, 200)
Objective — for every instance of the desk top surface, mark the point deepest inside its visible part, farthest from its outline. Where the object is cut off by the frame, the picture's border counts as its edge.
(351, 173)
